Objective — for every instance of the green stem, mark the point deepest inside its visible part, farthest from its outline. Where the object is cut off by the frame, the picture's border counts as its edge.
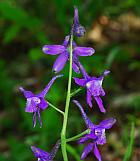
(76, 91)
(63, 132)
(78, 136)
(55, 108)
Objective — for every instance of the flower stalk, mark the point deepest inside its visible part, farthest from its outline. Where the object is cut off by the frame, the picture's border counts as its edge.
(76, 91)
(63, 132)
(78, 136)
(55, 108)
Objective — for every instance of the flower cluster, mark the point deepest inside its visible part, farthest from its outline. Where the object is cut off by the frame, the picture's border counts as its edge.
(36, 103)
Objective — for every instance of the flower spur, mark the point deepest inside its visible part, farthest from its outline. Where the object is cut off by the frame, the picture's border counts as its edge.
(97, 133)
(37, 103)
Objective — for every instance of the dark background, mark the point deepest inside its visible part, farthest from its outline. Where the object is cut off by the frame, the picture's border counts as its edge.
(113, 29)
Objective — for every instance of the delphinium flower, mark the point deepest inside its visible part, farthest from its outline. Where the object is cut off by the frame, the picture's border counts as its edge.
(63, 51)
(97, 134)
(36, 102)
(93, 86)
(78, 29)
(45, 156)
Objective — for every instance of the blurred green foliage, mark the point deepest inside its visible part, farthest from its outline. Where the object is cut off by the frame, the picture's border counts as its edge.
(130, 145)
(27, 25)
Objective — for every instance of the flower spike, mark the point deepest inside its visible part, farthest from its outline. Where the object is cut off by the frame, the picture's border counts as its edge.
(37, 103)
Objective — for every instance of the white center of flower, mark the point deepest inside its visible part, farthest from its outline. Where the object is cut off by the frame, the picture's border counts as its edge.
(88, 84)
(45, 49)
(36, 100)
(100, 132)
(100, 82)
(97, 131)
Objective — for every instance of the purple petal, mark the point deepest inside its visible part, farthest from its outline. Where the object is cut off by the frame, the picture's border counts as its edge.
(39, 118)
(43, 159)
(87, 150)
(53, 49)
(83, 51)
(82, 140)
(75, 68)
(66, 40)
(106, 72)
(107, 124)
(60, 62)
(39, 153)
(30, 106)
(76, 17)
(74, 44)
(102, 92)
(43, 104)
(89, 99)
(80, 82)
(95, 86)
(97, 153)
(86, 119)
(101, 137)
(100, 104)
(92, 134)
(45, 91)
(34, 119)
(27, 94)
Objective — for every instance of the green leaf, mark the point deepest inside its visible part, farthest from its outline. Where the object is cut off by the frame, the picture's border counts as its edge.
(73, 152)
(130, 145)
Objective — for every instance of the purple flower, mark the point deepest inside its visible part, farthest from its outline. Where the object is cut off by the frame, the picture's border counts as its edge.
(78, 29)
(37, 103)
(94, 87)
(45, 156)
(63, 51)
(97, 134)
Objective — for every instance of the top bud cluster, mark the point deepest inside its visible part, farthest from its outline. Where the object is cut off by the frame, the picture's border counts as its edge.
(36, 103)
(78, 29)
